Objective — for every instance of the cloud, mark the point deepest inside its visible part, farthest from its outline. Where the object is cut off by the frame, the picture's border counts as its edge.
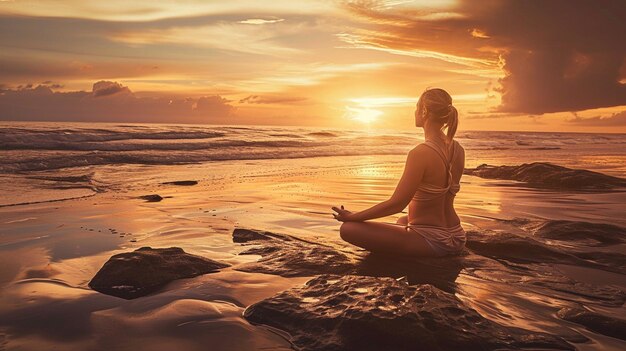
(557, 55)
(257, 99)
(52, 85)
(104, 88)
(493, 115)
(149, 10)
(615, 120)
(260, 21)
(33, 68)
(108, 102)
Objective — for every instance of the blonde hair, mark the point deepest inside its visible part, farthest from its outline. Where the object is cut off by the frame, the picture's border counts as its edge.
(438, 104)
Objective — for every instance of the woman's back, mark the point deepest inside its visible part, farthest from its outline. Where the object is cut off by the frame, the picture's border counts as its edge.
(433, 203)
(428, 184)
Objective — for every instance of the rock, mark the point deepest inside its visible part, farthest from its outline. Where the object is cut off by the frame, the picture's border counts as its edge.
(614, 261)
(151, 198)
(598, 323)
(241, 235)
(547, 175)
(589, 234)
(517, 248)
(133, 274)
(182, 182)
(347, 312)
(572, 238)
(289, 256)
(503, 245)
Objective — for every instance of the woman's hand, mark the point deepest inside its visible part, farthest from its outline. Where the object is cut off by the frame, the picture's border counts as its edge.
(342, 214)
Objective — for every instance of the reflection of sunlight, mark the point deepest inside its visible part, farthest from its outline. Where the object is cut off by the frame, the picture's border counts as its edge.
(374, 182)
(371, 171)
(476, 196)
(614, 165)
(494, 300)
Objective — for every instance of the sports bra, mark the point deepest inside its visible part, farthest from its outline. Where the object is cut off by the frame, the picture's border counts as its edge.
(427, 191)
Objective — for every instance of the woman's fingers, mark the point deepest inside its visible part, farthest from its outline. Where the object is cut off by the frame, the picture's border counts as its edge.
(338, 210)
(341, 213)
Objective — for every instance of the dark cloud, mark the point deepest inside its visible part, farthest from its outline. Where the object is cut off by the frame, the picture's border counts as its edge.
(558, 55)
(257, 99)
(52, 85)
(104, 88)
(494, 115)
(108, 102)
(615, 120)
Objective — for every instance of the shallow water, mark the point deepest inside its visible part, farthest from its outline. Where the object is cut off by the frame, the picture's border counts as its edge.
(50, 250)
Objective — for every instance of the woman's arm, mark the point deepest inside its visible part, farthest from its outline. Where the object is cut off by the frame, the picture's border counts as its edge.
(410, 180)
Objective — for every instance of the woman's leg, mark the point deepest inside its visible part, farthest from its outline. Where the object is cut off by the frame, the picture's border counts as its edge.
(385, 238)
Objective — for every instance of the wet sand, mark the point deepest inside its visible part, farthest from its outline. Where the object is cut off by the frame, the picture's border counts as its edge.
(49, 251)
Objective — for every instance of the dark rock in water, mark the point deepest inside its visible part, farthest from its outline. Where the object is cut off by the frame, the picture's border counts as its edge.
(598, 323)
(133, 274)
(334, 312)
(575, 238)
(614, 261)
(502, 245)
(592, 234)
(241, 235)
(547, 175)
(288, 256)
(516, 248)
(182, 182)
(151, 198)
(517, 221)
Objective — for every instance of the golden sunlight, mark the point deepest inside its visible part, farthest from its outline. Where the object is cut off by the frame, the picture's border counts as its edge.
(362, 114)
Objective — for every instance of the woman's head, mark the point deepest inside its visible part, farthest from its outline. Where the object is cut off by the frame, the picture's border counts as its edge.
(435, 107)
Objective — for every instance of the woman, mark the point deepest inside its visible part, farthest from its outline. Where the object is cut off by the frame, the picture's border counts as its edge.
(428, 185)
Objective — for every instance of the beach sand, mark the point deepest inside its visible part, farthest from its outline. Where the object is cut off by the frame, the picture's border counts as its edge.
(51, 250)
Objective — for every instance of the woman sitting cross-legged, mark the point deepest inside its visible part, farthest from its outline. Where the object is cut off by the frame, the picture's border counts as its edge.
(428, 186)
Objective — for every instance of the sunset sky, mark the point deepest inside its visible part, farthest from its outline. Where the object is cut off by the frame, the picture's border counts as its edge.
(509, 65)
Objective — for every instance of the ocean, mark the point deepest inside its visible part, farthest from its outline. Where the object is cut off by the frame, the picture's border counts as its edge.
(50, 150)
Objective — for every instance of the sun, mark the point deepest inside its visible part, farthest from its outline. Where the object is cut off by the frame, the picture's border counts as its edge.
(362, 114)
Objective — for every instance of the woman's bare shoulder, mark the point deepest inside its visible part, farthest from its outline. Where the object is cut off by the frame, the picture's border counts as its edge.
(419, 149)
(460, 147)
